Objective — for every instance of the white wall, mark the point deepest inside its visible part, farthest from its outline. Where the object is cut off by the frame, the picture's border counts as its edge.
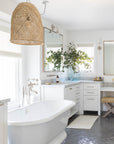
(93, 37)
(7, 6)
(31, 62)
(5, 22)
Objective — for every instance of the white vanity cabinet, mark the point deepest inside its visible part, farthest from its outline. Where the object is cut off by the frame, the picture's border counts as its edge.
(59, 92)
(52, 92)
(91, 95)
(73, 93)
(3, 123)
(86, 95)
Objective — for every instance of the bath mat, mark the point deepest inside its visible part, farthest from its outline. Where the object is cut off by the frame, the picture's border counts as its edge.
(83, 122)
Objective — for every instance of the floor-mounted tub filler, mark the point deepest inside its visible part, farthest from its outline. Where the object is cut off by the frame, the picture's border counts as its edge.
(39, 123)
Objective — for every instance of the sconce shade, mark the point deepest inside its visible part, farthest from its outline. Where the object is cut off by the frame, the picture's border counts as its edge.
(26, 25)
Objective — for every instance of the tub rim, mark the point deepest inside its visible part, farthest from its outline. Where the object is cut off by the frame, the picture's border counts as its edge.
(14, 123)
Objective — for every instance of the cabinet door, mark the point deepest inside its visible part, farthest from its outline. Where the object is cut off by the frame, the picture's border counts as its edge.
(53, 93)
(1, 125)
(70, 93)
(90, 103)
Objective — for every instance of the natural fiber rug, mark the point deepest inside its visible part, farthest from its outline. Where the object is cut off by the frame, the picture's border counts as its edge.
(83, 122)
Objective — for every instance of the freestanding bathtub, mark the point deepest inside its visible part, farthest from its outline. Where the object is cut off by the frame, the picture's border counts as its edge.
(39, 123)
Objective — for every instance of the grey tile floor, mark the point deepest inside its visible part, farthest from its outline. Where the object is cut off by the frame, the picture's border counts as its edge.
(101, 133)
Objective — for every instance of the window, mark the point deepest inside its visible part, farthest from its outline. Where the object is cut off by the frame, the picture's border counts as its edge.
(9, 77)
(10, 69)
(89, 50)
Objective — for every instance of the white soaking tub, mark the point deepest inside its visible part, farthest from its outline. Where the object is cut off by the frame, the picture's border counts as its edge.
(40, 123)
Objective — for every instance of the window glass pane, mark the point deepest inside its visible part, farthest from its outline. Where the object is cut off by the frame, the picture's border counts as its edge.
(89, 50)
(9, 78)
(10, 69)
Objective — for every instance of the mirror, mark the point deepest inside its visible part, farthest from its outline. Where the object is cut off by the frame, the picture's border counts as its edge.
(52, 42)
(108, 52)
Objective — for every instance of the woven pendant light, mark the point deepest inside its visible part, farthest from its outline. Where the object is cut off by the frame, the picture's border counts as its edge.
(26, 25)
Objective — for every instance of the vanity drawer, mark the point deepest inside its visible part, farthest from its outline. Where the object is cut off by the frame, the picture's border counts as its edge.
(90, 92)
(77, 93)
(90, 86)
(77, 87)
(90, 103)
(72, 88)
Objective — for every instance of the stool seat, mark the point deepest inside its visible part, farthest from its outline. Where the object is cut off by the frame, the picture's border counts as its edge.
(107, 100)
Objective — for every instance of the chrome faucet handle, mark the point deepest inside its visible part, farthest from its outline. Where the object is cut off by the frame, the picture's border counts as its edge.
(28, 88)
(31, 82)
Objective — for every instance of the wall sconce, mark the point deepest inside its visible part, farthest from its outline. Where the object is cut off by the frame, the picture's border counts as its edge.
(99, 45)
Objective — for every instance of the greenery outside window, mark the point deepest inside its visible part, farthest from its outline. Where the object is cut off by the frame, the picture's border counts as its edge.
(53, 55)
(72, 58)
(89, 50)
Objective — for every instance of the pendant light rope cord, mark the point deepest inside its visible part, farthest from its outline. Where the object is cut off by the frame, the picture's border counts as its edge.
(28, 1)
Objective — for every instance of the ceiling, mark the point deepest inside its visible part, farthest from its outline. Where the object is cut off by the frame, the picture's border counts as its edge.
(79, 14)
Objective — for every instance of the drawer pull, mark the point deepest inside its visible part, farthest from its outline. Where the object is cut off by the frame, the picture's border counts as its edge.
(78, 93)
(90, 92)
(90, 99)
(90, 86)
(77, 87)
(70, 88)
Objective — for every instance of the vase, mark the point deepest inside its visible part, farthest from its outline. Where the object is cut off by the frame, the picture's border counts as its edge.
(70, 74)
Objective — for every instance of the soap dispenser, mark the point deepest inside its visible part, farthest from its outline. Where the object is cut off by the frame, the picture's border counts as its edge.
(57, 79)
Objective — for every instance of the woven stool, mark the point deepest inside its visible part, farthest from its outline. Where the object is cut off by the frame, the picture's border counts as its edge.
(108, 101)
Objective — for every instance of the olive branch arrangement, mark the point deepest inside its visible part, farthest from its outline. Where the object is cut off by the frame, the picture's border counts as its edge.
(71, 58)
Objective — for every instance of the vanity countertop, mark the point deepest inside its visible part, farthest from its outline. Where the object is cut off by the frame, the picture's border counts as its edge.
(3, 101)
(70, 83)
(107, 89)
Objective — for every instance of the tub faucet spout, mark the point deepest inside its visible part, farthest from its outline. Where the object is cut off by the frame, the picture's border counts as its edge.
(24, 95)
